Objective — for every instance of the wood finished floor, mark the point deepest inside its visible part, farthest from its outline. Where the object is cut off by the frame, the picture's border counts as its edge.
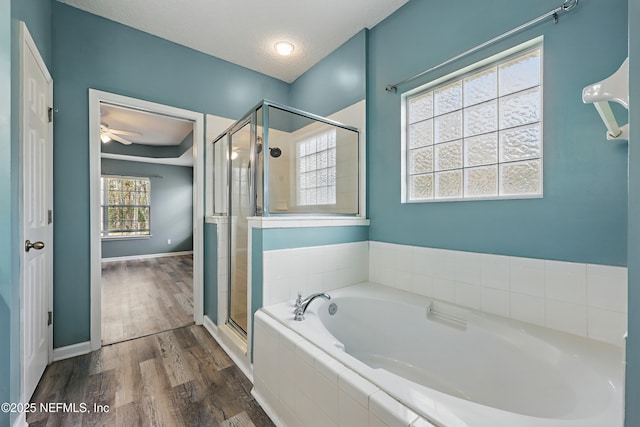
(175, 378)
(146, 296)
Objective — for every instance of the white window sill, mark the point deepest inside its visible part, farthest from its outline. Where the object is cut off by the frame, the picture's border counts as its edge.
(110, 238)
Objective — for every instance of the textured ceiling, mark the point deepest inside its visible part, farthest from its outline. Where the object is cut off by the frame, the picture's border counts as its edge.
(154, 129)
(244, 31)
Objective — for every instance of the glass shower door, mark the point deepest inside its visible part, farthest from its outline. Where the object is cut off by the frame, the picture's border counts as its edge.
(240, 208)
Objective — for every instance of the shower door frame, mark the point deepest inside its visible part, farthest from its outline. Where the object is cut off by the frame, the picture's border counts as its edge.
(265, 179)
(249, 119)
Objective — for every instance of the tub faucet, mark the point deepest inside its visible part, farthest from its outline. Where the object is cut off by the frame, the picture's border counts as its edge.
(302, 304)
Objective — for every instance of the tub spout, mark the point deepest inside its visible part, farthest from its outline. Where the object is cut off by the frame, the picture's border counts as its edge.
(301, 305)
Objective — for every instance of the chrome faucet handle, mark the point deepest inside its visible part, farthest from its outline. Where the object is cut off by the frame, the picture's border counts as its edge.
(298, 314)
(299, 301)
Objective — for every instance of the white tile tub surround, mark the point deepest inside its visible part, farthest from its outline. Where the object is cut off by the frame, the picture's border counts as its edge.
(313, 269)
(299, 385)
(582, 299)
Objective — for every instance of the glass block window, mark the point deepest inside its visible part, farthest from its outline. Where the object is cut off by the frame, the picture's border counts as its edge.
(316, 170)
(125, 208)
(479, 134)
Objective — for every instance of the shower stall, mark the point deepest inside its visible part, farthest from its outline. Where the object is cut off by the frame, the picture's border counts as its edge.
(279, 161)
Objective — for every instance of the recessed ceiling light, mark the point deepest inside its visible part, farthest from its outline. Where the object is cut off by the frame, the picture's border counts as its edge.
(284, 48)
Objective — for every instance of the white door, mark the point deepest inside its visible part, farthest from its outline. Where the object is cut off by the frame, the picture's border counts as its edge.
(37, 179)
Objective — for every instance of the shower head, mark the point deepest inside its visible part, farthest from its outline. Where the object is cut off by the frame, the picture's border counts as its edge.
(275, 152)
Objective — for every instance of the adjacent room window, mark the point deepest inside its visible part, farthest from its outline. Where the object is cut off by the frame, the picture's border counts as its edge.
(125, 208)
(477, 135)
(316, 170)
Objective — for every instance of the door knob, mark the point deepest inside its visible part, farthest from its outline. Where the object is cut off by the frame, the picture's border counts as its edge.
(35, 245)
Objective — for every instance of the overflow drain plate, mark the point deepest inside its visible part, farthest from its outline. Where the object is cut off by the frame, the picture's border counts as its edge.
(333, 308)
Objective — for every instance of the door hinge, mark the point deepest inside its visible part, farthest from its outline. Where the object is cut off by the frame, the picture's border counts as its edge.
(50, 112)
(49, 318)
(50, 220)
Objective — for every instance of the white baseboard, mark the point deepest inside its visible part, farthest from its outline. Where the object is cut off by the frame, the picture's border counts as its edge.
(73, 350)
(227, 343)
(210, 326)
(146, 256)
(21, 421)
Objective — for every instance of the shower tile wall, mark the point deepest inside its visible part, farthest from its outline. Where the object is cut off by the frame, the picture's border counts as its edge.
(313, 269)
(581, 299)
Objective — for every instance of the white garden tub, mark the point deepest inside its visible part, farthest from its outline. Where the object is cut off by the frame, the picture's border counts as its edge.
(457, 367)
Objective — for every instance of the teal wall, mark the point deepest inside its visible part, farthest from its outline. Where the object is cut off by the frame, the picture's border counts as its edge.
(37, 15)
(334, 83)
(141, 66)
(289, 238)
(210, 285)
(6, 272)
(171, 209)
(633, 343)
(583, 214)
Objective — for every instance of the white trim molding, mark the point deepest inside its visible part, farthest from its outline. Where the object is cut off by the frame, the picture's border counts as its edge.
(231, 344)
(72, 350)
(146, 256)
(21, 421)
(209, 325)
(95, 98)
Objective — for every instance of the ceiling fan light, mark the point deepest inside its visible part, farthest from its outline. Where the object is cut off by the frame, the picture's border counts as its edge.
(104, 138)
(234, 155)
(284, 48)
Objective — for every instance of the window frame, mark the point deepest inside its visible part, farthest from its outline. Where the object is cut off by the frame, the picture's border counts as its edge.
(459, 75)
(104, 205)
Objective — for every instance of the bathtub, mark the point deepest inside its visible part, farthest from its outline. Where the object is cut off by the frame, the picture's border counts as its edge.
(442, 364)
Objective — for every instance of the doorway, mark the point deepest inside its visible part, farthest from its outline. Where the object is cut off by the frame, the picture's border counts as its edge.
(146, 208)
(145, 296)
(154, 265)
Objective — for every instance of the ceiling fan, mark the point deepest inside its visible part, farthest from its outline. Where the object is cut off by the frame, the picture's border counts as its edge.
(107, 134)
